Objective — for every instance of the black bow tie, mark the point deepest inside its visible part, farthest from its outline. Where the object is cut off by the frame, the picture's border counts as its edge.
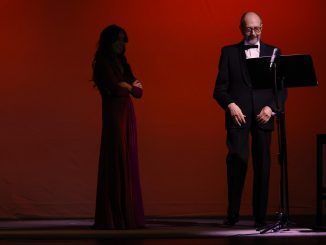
(246, 47)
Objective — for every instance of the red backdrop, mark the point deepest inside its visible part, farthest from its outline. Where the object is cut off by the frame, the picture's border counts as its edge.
(50, 114)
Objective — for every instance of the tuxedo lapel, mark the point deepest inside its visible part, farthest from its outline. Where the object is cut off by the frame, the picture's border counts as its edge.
(243, 66)
(264, 50)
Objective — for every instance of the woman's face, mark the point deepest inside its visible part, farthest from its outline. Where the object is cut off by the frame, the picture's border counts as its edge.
(119, 46)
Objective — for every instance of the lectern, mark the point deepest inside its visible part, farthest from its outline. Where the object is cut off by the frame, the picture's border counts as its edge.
(287, 71)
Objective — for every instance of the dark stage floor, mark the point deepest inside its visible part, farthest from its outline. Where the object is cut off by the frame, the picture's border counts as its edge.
(159, 231)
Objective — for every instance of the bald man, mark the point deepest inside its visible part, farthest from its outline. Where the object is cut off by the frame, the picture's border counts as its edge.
(247, 112)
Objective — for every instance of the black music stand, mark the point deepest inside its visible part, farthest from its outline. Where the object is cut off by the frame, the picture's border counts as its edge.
(288, 71)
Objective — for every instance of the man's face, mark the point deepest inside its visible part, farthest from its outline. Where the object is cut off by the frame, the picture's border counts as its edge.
(251, 28)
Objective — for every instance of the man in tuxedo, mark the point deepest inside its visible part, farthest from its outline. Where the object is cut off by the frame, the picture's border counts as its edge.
(247, 111)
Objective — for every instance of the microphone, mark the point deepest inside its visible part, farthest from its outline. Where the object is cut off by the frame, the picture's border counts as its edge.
(273, 58)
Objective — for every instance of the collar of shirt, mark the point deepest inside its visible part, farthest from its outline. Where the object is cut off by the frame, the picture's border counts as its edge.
(253, 52)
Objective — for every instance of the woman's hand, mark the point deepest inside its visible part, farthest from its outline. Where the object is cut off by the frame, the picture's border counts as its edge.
(137, 84)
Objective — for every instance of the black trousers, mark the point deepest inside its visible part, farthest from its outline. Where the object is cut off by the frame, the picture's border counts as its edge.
(237, 162)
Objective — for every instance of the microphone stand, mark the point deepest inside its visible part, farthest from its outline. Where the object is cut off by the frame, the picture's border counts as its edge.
(283, 215)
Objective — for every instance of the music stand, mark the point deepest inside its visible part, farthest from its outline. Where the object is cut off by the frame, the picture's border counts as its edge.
(288, 71)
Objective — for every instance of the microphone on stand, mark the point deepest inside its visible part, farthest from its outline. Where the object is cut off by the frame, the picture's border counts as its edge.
(273, 58)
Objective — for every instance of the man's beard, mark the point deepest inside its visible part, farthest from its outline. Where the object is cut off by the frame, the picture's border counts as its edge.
(253, 39)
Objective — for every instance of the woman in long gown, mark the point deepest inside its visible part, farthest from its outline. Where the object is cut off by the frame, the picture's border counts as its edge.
(119, 200)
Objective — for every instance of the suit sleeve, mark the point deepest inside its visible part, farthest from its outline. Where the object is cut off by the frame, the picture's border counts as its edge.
(221, 94)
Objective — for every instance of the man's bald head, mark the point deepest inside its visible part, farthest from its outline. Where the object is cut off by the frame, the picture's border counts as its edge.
(251, 27)
(249, 17)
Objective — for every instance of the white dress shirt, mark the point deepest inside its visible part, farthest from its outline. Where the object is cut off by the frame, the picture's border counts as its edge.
(252, 52)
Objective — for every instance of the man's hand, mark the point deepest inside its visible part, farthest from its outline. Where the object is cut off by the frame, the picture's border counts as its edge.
(264, 115)
(237, 114)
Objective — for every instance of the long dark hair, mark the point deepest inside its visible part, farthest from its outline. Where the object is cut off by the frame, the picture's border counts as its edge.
(104, 49)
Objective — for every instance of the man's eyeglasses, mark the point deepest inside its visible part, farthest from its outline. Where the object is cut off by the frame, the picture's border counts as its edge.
(256, 29)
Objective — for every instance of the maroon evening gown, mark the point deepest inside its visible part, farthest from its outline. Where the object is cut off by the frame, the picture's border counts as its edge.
(119, 200)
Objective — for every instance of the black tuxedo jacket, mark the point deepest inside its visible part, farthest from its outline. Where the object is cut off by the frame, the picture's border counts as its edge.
(233, 85)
